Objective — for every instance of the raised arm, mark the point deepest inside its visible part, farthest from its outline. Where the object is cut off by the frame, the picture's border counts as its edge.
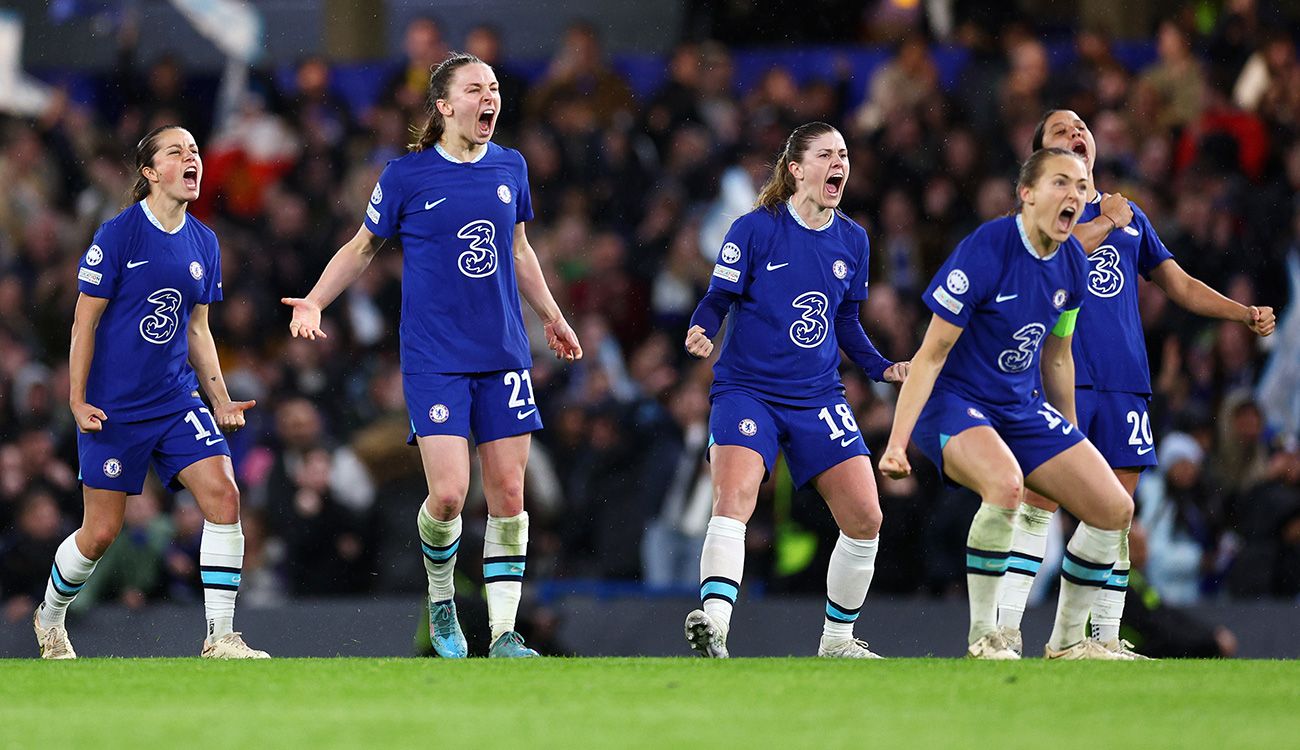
(203, 358)
(345, 267)
(1196, 296)
(926, 365)
(1116, 212)
(532, 285)
(84, 322)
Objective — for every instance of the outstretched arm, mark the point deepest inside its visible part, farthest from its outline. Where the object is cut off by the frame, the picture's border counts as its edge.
(1196, 296)
(532, 284)
(344, 268)
(926, 365)
(203, 358)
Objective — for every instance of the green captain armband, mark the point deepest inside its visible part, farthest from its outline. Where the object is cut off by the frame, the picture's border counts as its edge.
(1065, 325)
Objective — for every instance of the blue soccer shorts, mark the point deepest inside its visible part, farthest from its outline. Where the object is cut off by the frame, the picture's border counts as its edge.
(490, 405)
(1034, 433)
(1119, 425)
(118, 456)
(813, 439)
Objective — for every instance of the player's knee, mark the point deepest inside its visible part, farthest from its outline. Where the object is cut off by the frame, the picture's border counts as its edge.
(1005, 490)
(445, 502)
(865, 524)
(1119, 512)
(97, 540)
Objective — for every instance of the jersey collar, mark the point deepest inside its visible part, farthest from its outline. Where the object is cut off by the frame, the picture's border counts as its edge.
(144, 205)
(443, 153)
(1029, 246)
(789, 204)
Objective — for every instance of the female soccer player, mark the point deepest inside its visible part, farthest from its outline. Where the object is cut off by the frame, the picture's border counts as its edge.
(1112, 377)
(139, 337)
(793, 274)
(459, 203)
(1004, 301)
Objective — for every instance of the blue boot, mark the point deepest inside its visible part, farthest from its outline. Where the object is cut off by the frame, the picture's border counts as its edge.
(444, 631)
(510, 645)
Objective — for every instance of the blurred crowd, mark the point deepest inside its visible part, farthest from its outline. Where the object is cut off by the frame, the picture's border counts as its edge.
(632, 195)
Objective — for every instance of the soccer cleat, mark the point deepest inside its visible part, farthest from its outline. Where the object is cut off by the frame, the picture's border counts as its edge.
(510, 645)
(1086, 649)
(53, 640)
(1011, 636)
(444, 631)
(992, 647)
(706, 636)
(845, 648)
(230, 646)
(1123, 647)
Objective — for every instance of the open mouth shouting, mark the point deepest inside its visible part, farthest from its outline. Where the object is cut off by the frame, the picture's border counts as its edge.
(834, 186)
(486, 122)
(190, 178)
(1065, 220)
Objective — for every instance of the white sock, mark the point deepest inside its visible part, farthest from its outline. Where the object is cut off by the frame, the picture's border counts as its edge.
(67, 576)
(439, 540)
(1088, 560)
(221, 565)
(505, 547)
(988, 546)
(853, 562)
(1108, 608)
(1028, 546)
(722, 564)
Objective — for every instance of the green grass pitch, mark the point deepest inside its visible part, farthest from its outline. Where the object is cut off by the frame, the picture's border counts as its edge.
(652, 703)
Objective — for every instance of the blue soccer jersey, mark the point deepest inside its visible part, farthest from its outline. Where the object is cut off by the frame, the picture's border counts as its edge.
(1006, 298)
(153, 279)
(456, 221)
(780, 340)
(1110, 351)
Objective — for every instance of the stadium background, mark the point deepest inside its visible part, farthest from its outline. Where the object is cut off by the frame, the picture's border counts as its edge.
(647, 128)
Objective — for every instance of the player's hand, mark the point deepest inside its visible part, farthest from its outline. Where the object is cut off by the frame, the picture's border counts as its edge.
(893, 463)
(1115, 206)
(230, 415)
(897, 372)
(89, 418)
(306, 318)
(1262, 321)
(562, 340)
(697, 344)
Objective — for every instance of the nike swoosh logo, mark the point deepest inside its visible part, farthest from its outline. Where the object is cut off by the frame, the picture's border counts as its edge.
(134, 263)
(1146, 450)
(1005, 297)
(847, 443)
(774, 266)
(213, 441)
(428, 205)
(525, 414)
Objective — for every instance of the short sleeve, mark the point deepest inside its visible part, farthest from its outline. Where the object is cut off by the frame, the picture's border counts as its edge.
(524, 205)
(382, 212)
(731, 272)
(1151, 250)
(100, 265)
(858, 287)
(212, 291)
(966, 279)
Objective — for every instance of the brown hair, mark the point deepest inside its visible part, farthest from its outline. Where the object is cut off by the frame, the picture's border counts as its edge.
(780, 185)
(1032, 169)
(145, 151)
(439, 87)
